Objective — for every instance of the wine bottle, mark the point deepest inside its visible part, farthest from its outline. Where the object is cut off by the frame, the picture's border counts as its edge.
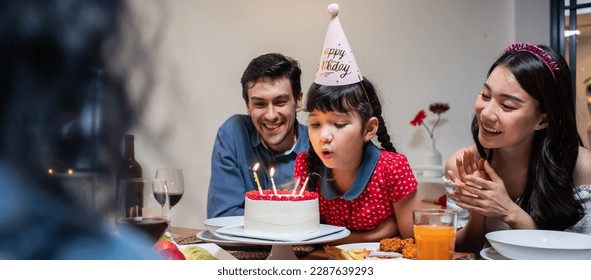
(130, 168)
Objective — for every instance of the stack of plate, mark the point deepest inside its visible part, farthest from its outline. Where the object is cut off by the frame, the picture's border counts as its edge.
(214, 224)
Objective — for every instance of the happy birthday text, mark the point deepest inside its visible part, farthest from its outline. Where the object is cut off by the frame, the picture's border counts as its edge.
(333, 61)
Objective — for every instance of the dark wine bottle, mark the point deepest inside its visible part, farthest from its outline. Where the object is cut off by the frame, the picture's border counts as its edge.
(130, 167)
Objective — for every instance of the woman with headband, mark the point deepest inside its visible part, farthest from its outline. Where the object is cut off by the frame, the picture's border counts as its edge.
(528, 168)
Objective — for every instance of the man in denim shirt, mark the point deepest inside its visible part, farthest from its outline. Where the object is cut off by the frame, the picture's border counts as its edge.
(269, 135)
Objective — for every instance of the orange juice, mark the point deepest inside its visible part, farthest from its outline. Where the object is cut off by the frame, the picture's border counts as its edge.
(435, 242)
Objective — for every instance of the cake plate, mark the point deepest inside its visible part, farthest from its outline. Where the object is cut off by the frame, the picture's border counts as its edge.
(283, 250)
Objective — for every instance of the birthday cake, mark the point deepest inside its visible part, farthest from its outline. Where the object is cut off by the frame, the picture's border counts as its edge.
(281, 214)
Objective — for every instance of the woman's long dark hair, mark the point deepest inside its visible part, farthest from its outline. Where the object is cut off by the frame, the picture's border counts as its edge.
(549, 195)
(359, 97)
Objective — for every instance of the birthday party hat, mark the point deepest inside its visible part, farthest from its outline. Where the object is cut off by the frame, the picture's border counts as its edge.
(337, 64)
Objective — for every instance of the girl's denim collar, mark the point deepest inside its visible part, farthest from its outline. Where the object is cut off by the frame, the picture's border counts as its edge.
(371, 155)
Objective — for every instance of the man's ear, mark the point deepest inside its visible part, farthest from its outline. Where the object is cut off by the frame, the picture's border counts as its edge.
(299, 101)
(543, 123)
(371, 128)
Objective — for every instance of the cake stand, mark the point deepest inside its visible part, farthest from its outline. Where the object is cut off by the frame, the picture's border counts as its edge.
(283, 250)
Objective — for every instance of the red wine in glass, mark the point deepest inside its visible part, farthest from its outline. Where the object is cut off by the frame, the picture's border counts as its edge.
(138, 209)
(153, 227)
(174, 198)
(174, 185)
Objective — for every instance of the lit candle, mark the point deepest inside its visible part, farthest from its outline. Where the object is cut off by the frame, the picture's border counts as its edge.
(295, 188)
(256, 178)
(304, 186)
(70, 171)
(272, 181)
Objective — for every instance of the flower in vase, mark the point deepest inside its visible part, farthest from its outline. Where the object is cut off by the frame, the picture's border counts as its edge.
(437, 108)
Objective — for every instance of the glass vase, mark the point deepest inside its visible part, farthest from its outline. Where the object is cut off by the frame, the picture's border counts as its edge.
(433, 161)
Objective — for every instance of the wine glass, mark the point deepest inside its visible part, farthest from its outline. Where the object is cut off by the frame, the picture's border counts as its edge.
(139, 209)
(175, 185)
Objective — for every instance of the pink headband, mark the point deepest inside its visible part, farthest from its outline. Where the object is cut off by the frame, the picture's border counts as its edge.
(537, 51)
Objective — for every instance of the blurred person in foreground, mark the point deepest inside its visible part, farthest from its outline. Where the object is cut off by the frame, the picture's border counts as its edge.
(50, 52)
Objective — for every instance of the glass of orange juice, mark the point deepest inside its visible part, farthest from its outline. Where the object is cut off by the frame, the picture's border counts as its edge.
(435, 233)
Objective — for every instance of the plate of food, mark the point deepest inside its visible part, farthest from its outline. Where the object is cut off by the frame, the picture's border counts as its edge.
(205, 251)
(388, 248)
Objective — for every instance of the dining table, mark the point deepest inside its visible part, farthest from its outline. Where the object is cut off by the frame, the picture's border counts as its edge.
(186, 236)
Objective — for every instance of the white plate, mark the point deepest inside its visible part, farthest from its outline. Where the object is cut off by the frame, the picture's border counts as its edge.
(214, 224)
(213, 249)
(342, 233)
(541, 244)
(220, 222)
(374, 246)
(208, 237)
(239, 231)
(491, 254)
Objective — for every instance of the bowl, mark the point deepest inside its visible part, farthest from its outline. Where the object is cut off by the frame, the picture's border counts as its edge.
(541, 244)
(214, 224)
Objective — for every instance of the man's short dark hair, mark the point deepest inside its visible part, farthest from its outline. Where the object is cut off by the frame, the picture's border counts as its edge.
(273, 66)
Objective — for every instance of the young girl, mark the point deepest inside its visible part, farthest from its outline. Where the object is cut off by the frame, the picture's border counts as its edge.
(370, 191)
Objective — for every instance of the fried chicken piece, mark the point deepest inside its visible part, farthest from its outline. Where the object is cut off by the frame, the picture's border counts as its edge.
(395, 244)
(391, 244)
(409, 251)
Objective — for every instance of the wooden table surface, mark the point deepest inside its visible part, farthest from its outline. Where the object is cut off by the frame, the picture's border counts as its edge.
(317, 254)
(185, 232)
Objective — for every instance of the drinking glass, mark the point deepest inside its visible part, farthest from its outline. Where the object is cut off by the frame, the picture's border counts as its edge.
(435, 233)
(175, 185)
(138, 209)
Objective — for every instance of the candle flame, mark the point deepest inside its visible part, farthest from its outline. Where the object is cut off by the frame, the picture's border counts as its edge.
(70, 171)
(50, 171)
(272, 171)
(256, 166)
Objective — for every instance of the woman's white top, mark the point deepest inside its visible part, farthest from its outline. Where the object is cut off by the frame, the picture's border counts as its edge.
(582, 193)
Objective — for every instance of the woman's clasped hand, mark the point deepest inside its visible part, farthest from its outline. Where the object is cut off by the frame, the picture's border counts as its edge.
(479, 188)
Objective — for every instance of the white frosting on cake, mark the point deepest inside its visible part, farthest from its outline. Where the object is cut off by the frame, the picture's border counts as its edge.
(283, 218)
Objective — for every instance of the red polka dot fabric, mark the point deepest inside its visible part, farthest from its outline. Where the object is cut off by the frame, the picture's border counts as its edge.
(392, 180)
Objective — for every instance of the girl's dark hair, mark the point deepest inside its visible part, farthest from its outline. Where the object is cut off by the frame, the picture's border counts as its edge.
(549, 196)
(359, 97)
